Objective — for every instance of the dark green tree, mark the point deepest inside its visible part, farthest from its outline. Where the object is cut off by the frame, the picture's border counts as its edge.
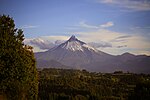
(141, 91)
(18, 73)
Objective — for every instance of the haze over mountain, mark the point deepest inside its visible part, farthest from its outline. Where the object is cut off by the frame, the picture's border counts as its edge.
(76, 54)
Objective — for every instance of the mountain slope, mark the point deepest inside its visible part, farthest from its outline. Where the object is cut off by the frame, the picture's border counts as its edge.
(73, 53)
(78, 54)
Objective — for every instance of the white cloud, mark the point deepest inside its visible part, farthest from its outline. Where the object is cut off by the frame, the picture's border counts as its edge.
(44, 43)
(121, 39)
(108, 24)
(143, 28)
(99, 35)
(138, 5)
(105, 40)
(100, 44)
(29, 26)
(121, 42)
(36, 48)
(84, 25)
(54, 38)
(107, 1)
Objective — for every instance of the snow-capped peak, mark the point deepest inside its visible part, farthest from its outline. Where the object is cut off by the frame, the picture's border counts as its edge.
(89, 47)
(73, 44)
(72, 38)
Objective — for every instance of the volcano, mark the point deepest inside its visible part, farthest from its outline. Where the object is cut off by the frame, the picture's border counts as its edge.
(76, 54)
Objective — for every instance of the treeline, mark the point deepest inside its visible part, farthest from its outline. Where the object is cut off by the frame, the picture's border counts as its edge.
(69, 84)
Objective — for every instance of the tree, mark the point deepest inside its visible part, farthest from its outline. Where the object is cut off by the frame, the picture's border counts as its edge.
(141, 91)
(18, 73)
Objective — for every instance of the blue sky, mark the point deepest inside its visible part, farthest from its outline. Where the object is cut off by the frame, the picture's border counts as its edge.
(99, 21)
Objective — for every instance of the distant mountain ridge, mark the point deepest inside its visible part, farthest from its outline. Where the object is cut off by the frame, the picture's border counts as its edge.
(78, 55)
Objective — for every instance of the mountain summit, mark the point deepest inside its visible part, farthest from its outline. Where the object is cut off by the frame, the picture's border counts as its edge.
(76, 54)
(73, 44)
(73, 38)
(73, 53)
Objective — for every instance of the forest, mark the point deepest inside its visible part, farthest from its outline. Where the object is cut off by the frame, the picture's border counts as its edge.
(71, 84)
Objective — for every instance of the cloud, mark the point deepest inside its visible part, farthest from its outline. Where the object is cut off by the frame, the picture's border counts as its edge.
(137, 5)
(108, 24)
(99, 35)
(105, 25)
(122, 38)
(42, 44)
(45, 44)
(103, 39)
(39, 44)
(35, 47)
(121, 42)
(54, 38)
(84, 25)
(58, 42)
(143, 28)
(100, 44)
(121, 46)
(29, 26)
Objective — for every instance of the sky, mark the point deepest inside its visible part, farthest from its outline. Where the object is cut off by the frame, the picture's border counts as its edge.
(113, 26)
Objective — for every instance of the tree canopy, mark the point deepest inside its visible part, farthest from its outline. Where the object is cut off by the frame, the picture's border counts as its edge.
(18, 74)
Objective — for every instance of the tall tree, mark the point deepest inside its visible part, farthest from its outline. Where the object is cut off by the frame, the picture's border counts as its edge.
(18, 73)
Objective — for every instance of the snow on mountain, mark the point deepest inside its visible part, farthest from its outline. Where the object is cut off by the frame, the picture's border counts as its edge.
(58, 42)
(77, 54)
(73, 53)
(73, 44)
(89, 47)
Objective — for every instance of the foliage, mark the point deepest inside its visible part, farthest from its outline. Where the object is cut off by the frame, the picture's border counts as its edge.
(141, 91)
(18, 74)
(69, 84)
